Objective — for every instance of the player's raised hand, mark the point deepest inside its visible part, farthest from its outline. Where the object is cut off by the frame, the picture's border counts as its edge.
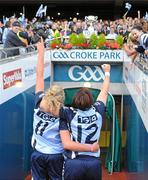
(40, 46)
(106, 67)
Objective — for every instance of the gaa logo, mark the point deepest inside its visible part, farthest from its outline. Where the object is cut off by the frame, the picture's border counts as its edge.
(86, 73)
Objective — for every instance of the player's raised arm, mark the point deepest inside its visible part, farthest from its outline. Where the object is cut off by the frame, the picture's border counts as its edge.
(105, 86)
(40, 67)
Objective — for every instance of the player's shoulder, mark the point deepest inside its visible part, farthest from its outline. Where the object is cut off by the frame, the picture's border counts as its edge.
(70, 109)
(38, 97)
(99, 103)
(100, 107)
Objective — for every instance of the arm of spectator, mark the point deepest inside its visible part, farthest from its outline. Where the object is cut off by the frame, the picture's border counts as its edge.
(40, 67)
(105, 86)
(129, 51)
(133, 57)
(25, 41)
(68, 144)
(146, 52)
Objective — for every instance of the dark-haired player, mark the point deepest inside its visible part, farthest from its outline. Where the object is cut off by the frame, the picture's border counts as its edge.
(84, 121)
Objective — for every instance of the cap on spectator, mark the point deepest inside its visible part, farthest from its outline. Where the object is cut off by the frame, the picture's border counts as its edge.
(16, 23)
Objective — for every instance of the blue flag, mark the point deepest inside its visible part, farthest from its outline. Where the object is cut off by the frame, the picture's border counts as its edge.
(39, 11)
(5, 19)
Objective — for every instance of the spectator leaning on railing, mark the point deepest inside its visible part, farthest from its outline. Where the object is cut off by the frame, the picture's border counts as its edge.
(31, 34)
(12, 40)
(142, 39)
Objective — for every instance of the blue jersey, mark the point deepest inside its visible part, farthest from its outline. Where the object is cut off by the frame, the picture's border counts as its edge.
(85, 126)
(143, 44)
(144, 41)
(46, 137)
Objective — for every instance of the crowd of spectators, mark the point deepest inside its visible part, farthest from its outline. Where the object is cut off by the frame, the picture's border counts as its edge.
(14, 33)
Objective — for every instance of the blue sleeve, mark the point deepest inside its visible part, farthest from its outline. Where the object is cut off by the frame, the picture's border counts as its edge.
(145, 40)
(100, 107)
(140, 49)
(63, 120)
(38, 97)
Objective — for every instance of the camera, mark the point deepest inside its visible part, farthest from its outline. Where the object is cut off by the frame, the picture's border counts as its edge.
(38, 33)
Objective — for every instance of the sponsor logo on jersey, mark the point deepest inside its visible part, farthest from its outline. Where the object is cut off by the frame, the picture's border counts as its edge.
(87, 119)
(46, 116)
(10, 78)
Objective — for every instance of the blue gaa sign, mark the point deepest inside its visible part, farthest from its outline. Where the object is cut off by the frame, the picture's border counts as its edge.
(84, 73)
(87, 55)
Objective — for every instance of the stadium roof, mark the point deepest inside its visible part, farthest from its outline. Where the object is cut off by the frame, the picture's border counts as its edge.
(119, 2)
(69, 8)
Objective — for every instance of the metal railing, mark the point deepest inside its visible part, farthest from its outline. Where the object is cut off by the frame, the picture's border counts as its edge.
(113, 134)
(142, 62)
(11, 53)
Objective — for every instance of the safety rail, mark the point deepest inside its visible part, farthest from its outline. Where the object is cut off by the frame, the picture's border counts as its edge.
(11, 53)
(113, 135)
(142, 63)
